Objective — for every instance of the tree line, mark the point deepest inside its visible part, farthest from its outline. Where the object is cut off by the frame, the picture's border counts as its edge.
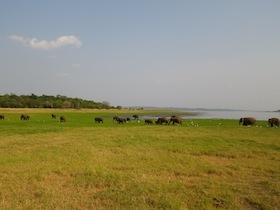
(45, 101)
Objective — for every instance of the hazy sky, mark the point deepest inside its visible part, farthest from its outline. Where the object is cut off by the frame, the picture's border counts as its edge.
(181, 53)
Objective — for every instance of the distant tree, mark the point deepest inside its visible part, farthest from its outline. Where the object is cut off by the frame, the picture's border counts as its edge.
(48, 104)
(4, 101)
(106, 103)
(57, 104)
(32, 103)
(33, 96)
(76, 103)
(66, 105)
(45, 101)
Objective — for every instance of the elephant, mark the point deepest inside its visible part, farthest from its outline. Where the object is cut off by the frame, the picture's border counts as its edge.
(62, 119)
(120, 119)
(53, 116)
(115, 118)
(136, 117)
(25, 117)
(2, 117)
(161, 120)
(273, 121)
(98, 119)
(247, 121)
(148, 121)
(175, 119)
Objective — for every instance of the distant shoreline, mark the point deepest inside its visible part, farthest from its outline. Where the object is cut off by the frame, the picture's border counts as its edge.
(194, 109)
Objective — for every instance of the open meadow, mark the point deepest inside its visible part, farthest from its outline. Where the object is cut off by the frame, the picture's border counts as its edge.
(80, 164)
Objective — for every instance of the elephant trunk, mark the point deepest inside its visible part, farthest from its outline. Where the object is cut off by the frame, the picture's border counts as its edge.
(240, 121)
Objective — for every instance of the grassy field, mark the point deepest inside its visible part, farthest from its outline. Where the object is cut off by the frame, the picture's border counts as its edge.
(79, 164)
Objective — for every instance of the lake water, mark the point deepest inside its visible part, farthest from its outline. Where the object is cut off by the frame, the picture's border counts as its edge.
(259, 115)
(236, 115)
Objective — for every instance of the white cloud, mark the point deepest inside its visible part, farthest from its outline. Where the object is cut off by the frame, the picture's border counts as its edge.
(16, 38)
(48, 45)
(76, 66)
(61, 74)
(52, 57)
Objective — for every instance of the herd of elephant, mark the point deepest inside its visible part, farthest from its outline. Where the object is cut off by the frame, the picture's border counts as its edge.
(159, 121)
(246, 121)
(27, 117)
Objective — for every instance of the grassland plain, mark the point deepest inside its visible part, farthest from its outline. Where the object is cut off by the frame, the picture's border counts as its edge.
(79, 164)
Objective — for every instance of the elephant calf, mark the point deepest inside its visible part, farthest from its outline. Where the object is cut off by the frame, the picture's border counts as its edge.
(24, 117)
(147, 121)
(2, 117)
(62, 119)
(98, 120)
(136, 117)
(273, 121)
(247, 121)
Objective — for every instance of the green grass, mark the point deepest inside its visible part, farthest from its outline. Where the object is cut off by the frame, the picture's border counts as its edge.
(203, 164)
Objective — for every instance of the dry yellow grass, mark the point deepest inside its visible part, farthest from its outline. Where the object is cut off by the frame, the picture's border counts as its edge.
(83, 165)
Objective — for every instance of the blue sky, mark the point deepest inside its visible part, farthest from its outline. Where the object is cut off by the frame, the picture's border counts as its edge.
(210, 54)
